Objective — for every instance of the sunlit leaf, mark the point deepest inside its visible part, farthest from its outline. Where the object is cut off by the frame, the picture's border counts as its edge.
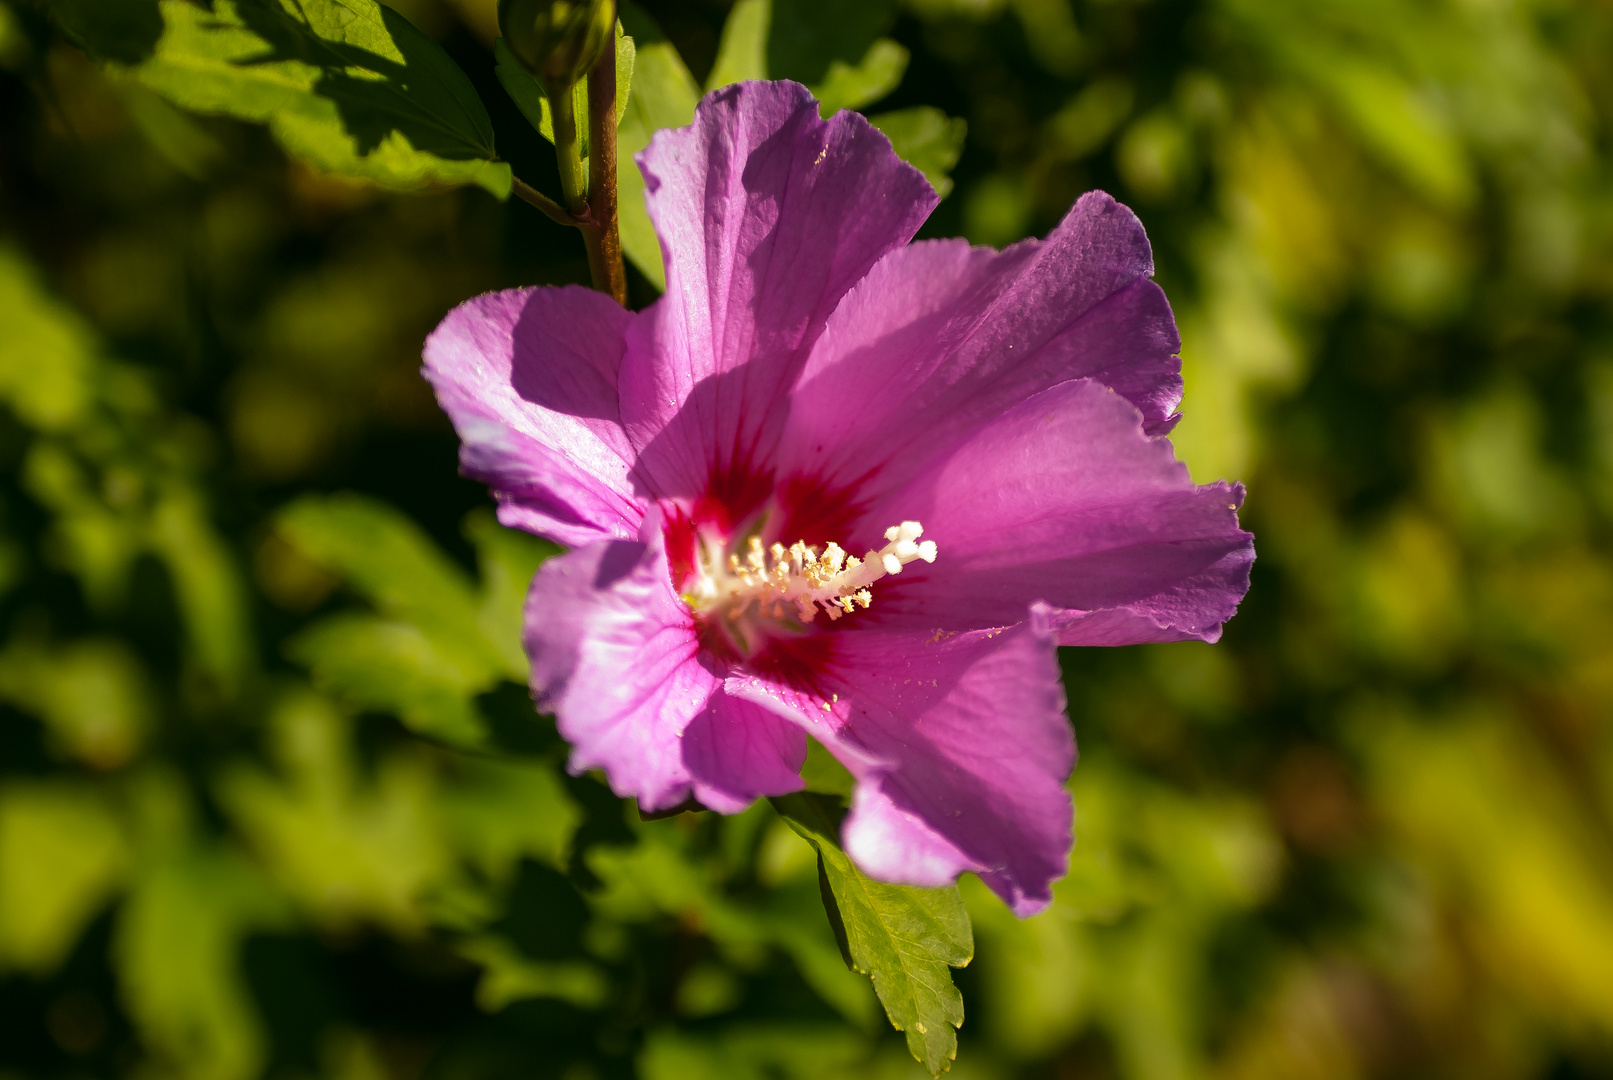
(742, 52)
(207, 586)
(1487, 817)
(927, 139)
(509, 976)
(348, 85)
(834, 52)
(796, 1051)
(388, 559)
(847, 86)
(823, 772)
(1088, 119)
(808, 39)
(177, 136)
(507, 559)
(501, 812)
(47, 353)
(905, 939)
(177, 956)
(62, 854)
(395, 667)
(92, 695)
(347, 846)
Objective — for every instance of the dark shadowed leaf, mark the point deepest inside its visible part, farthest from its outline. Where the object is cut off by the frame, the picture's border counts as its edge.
(808, 38)
(348, 85)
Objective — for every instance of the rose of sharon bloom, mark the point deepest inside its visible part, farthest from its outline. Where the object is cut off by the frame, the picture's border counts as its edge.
(839, 484)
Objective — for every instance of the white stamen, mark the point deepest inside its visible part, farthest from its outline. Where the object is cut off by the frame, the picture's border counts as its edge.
(801, 580)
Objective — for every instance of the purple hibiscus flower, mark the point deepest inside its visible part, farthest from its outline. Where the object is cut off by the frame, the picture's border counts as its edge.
(839, 484)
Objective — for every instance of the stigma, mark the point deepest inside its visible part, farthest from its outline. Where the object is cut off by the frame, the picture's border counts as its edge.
(795, 583)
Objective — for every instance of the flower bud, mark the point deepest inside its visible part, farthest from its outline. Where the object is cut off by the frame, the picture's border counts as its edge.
(558, 41)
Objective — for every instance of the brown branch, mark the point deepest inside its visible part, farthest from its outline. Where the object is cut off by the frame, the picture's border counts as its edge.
(554, 210)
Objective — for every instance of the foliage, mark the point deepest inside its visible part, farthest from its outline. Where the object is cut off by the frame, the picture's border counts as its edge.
(274, 802)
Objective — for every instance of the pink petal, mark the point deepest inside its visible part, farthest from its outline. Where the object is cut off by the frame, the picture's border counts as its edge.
(1063, 498)
(767, 214)
(737, 752)
(941, 337)
(615, 657)
(960, 747)
(979, 746)
(529, 378)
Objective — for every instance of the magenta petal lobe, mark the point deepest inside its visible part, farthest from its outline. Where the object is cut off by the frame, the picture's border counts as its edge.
(940, 338)
(528, 377)
(616, 659)
(736, 752)
(979, 747)
(767, 215)
(1064, 498)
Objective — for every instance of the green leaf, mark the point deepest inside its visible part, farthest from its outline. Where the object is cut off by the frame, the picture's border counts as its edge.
(439, 641)
(48, 353)
(62, 855)
(177, 954)
(664, 95)
(509, 976)
(846, 65)
(398, 668)
(120, 30)
(847, 86)
(823, 773)
(807, 38)
(507, 558)
(348, 85)
(388, 559)
(528, 95)
(927, 139)
(522, 87)
(799, 1050)
(501, 812)
(742, 53)
(1087, 120)
(92, 695)
(174, 134)
(904, 938)
(351, 844)
(207, 584)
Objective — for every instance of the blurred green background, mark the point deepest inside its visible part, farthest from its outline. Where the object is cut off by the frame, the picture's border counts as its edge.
(249, 610)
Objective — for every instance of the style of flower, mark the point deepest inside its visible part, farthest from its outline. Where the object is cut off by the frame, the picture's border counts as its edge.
(837, 484)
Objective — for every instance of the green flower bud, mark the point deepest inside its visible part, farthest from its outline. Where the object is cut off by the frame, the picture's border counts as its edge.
(557, 40)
